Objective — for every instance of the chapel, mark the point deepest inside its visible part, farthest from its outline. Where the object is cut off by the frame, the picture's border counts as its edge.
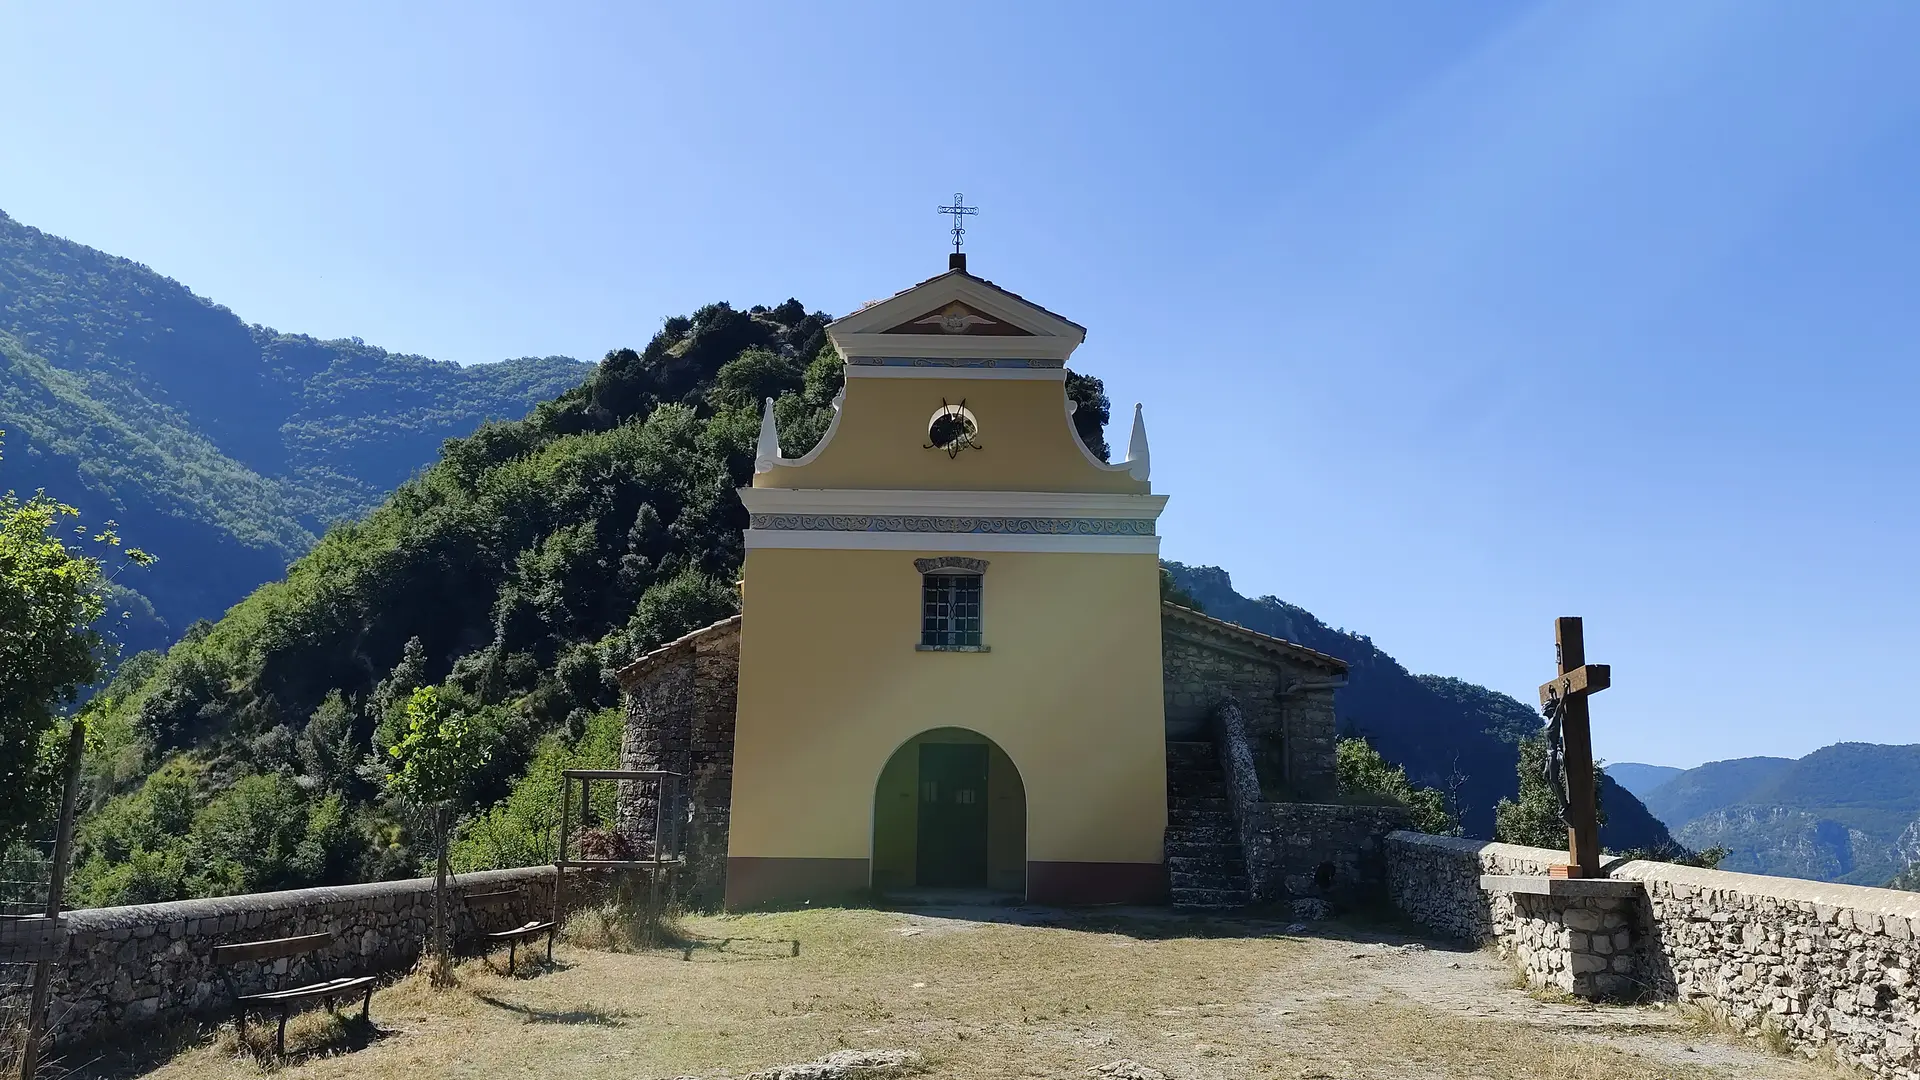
(953, 669)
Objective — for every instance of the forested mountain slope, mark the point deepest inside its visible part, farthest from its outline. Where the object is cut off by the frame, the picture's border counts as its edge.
(1848, 812)
(225, 449)
(1449, 734)
(512, 576)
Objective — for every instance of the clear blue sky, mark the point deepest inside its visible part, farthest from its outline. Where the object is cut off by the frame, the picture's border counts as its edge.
(1449, 318)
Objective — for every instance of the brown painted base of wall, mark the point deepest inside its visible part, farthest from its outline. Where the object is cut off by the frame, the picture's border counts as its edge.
(758, 882)
(1070, 883)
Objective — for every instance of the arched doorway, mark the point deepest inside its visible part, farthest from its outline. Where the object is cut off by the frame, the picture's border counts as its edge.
(950, 811)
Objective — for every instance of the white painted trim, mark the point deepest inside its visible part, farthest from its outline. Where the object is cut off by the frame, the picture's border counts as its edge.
(833, 425)
(938, 543)
(1029, 348)
(860, 371)
(1093, 460)
(885, 503)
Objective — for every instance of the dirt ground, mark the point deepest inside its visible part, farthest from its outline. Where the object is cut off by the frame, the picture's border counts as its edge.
(981, 993)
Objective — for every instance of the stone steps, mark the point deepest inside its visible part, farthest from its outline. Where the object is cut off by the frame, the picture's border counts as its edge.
(1208, 898)
(1205, 865)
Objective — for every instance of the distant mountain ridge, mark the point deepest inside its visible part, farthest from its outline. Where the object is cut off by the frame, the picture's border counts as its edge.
(1848, 812)
(223, 448)
(1641, 779)
(1447, 733)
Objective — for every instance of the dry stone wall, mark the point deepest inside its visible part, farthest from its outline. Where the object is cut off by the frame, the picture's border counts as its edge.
(125, 967)
(680, 702)
(1297, 851)
(1832, 968)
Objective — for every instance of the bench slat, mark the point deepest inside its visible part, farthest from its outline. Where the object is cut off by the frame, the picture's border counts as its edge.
(528, 930)
(492, 899)
(270, 950)
(321, 989)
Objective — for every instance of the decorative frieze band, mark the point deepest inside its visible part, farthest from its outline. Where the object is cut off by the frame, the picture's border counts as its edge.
(956, 362)
(1013, 526)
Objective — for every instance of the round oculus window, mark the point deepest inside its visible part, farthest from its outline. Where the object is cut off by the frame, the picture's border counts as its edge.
(953, 428)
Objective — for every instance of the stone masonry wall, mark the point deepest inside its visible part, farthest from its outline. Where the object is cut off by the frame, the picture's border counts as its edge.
(1436, 880)
(1830, 967)
(1300, 850)
(1323, 851)
(1583, 937)
(1835, 966)
(1292, 734)
(124, 967)
(680, 702)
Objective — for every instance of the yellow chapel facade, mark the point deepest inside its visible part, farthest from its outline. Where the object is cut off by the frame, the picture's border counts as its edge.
(949, 652)
(953, 669)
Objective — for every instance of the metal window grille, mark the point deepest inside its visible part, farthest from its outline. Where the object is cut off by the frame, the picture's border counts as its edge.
(951, 610)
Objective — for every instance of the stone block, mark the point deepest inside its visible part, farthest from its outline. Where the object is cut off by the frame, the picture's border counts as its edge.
(1581, 919)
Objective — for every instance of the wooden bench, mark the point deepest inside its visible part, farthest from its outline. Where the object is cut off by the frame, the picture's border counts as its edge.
(515, 936)
(287, 997)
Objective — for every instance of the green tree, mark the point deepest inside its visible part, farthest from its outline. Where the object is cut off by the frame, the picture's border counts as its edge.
(51, 596)
(433, 763)
(1091, 411)
(1367, 778)
(1907, 879)
(1171, 592)
(523, 828)
(1534, 818)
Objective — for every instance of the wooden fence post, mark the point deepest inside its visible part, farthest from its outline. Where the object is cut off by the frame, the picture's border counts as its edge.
(56, 886)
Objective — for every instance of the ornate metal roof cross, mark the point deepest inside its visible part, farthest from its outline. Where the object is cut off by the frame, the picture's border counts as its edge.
(958, 210)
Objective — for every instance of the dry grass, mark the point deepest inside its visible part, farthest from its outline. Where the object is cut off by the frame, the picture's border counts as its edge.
(626, 924)
(1200, 999)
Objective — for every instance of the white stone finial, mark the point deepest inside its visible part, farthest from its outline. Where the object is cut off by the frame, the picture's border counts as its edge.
(1139, 463)
(767, 454)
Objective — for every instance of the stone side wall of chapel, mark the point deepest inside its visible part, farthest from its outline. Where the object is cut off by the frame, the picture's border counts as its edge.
(1293, 735)
(680, 718)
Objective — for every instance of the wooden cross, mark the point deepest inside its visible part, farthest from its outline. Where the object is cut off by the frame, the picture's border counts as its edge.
(1577, 680)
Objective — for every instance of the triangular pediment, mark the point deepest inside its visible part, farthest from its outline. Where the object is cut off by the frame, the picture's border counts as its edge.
(956, 313)
(958, 318)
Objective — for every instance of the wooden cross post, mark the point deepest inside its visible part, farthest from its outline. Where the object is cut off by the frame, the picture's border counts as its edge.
(1577, 680)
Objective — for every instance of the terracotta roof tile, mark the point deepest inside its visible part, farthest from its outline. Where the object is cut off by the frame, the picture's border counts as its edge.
(651, 659)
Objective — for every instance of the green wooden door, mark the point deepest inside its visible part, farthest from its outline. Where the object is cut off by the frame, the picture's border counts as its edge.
(952, 840)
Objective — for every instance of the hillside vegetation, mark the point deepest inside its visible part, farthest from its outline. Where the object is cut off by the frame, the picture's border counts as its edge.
(224, 448)
(1848, 812)
(513, 576)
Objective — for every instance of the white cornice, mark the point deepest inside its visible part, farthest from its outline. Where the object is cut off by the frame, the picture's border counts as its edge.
(882, 503)
(854, 343)
(943, 542)
(862, 371)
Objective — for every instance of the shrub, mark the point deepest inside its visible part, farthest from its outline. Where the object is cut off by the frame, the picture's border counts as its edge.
(1367, 778)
